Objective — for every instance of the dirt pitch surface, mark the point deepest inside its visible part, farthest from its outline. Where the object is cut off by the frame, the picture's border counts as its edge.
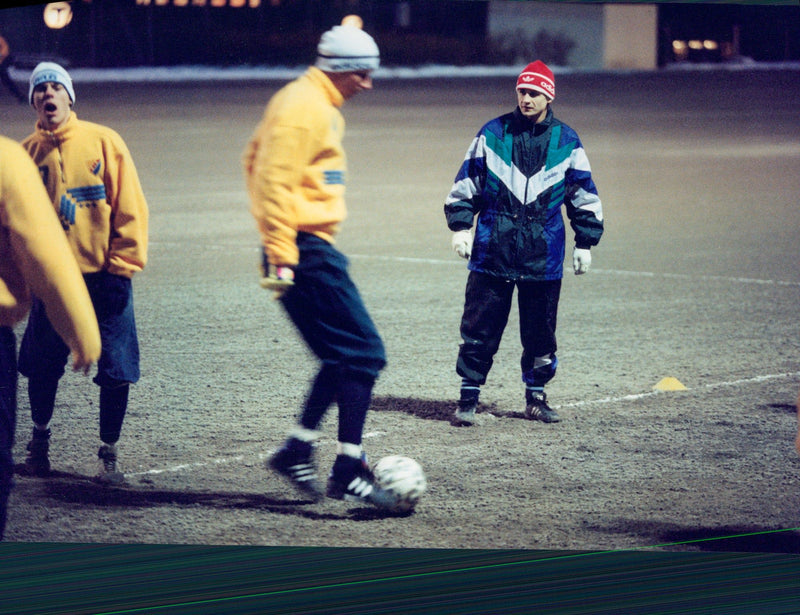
(697, 278)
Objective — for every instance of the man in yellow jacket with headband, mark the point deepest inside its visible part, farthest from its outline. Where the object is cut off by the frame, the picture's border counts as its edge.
(296, 171)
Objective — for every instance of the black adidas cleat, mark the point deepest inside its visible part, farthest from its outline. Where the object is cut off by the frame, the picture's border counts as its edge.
(353, 481)
(299, 470)
(538, 410)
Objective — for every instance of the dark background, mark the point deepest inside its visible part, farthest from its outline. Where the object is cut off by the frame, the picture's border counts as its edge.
(110, 33)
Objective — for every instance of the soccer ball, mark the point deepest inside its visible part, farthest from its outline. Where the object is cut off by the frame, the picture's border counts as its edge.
(403, 477)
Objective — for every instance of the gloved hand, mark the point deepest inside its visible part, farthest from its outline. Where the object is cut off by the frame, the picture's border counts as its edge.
(462, 243)
(278, 279)
(581, 260)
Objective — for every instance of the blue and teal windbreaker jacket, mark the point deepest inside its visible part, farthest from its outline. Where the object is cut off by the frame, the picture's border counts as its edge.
(515, 178)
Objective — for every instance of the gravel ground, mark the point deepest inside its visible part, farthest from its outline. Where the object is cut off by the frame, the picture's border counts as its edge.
(695, 279)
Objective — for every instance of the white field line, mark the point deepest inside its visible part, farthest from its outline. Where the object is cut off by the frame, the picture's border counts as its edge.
(607, 400)
(686, 276)
(260, 457)
(460, 263)
(620, 272)
(705, 387)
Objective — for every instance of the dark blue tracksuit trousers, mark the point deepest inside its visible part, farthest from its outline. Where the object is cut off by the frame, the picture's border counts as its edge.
(43, 355)
(486, 310)
(326, 307)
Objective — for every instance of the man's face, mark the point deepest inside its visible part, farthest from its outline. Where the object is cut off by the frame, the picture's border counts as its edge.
(532, 104)
(52, 104)
(352, 82)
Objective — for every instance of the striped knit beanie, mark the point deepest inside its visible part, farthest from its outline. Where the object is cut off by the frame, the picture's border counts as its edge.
(347, 48)
(50, 72)
(537, 76)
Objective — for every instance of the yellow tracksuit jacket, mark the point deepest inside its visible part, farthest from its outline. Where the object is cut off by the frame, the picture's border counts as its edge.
(35, 257)
(92, 182)
(295, 166)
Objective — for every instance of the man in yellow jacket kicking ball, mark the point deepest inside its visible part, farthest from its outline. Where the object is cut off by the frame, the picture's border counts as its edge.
(296, 173)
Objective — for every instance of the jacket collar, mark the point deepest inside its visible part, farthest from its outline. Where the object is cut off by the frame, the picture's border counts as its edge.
(62, 132)
(521, 123)
(320, 79)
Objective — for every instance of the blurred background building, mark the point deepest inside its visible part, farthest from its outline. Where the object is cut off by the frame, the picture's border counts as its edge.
(579, 35)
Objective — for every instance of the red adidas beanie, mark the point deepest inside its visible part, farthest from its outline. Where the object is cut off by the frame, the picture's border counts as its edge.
(537, 76)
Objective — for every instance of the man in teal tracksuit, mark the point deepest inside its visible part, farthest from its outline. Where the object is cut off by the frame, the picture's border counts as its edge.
(519, 171)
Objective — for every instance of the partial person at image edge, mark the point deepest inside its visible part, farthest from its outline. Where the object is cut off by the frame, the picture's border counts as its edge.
(34, 259)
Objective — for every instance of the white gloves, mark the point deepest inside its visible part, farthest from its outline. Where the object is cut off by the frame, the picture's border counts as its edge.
(462, 243)
(581, 260)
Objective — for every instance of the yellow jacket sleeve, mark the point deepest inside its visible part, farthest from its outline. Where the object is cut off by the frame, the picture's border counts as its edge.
(278, 163)
(35, 257)
(129, 227)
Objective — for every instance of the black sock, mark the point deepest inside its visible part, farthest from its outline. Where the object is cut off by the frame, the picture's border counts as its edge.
(41, 434)
(113, 406)
(470, 392)
(345, 466)
(42, 397)
(533, 391)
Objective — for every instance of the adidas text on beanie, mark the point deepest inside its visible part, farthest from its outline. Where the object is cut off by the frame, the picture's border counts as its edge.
(50, 72)
(537, 76)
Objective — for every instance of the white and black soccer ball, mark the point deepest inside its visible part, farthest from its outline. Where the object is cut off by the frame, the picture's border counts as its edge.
(403, 477)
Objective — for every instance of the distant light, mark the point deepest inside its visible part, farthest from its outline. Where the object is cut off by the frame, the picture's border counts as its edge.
(236, 4)
(57, 15)
(680, 50)
(695, 44)
(710, 45)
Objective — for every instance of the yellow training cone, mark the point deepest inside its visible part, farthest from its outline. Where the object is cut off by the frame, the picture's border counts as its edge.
(669, 384)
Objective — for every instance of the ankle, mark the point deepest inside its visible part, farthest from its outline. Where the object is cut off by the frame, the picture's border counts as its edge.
(41, 434)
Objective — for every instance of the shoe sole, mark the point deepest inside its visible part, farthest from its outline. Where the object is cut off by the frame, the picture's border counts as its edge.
(37, 471)
(377, 504)
(464, 418)
(115, 478)
(542, 418)
(336, 492)
(355, 499)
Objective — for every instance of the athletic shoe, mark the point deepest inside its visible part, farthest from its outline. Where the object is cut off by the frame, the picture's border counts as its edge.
(37, 463)
(352, 480)
(538, 410)
(299, 469)
(109, 472)
(465, 413)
